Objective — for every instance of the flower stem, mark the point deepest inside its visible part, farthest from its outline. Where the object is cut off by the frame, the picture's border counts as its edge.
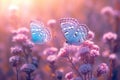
(74, 67)
(17, 71)
(29, 76)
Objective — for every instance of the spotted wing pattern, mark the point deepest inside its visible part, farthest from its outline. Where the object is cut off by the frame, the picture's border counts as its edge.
(74, 32)
(39, 33)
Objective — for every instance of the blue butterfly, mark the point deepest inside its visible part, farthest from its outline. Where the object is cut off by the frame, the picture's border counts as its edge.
(74, 32)
(39, 33)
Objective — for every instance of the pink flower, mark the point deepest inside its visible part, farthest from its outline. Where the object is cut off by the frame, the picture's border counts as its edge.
(88, 43)
(16, 50)
(109, 36)
(94, 53)
(69, 76)
(107, 11)
(91, 35)
(51, 58)
(112, 57)
(50, 51)
(95, 47)
(23, 30)
(106, 53)
(51, 22)
(102, 69)
(20, 38)
(63, 53)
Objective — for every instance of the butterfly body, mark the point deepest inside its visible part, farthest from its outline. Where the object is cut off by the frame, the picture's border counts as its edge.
(39, 33)
(74, 32)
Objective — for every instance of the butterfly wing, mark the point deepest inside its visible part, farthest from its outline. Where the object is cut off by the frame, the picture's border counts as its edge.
(39, 33)
(81, 34)
(74, 32)
(68, 27)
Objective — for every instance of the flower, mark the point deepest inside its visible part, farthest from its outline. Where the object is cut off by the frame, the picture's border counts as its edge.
(85, 68)
(63, 52)
(20, 38)
(91, 35)
(107, 10)
(95, 47)
(93, 78)
(35, 61)
(78, 78)
(16, 50)
(83, 50)
(94, 53)
(88, 43)
(109, 36)
(70, 48)
(102, 69)
(14, 61)
(112, 56)
(69, 75)
(51, 58)
(59, 74)
(28, 44)
(23, 30)
(28, 68)
(50, 51)
(106, 53)
(51, 22)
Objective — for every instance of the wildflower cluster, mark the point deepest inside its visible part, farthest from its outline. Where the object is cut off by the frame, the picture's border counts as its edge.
(82, 59)
(21, 50)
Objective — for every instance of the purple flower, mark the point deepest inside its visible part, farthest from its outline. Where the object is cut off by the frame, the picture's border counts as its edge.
(93, 78)
(83, 51)
(85, 68)
(16, 50)
(28, 68)
(28, 44)
(102, 69)
(14, 61)
(20, 38)
(109, 37)
(35, 61)
(50, 51)
(69, 75)
(59, 74)
(78, 78)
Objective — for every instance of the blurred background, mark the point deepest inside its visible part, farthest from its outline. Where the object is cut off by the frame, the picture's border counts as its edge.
(18, 13)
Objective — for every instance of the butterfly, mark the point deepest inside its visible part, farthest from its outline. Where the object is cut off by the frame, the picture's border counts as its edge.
(39, 33)
(74, 32)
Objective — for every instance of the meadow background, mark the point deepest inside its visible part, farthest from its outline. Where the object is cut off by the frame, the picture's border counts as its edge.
(15, 14)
